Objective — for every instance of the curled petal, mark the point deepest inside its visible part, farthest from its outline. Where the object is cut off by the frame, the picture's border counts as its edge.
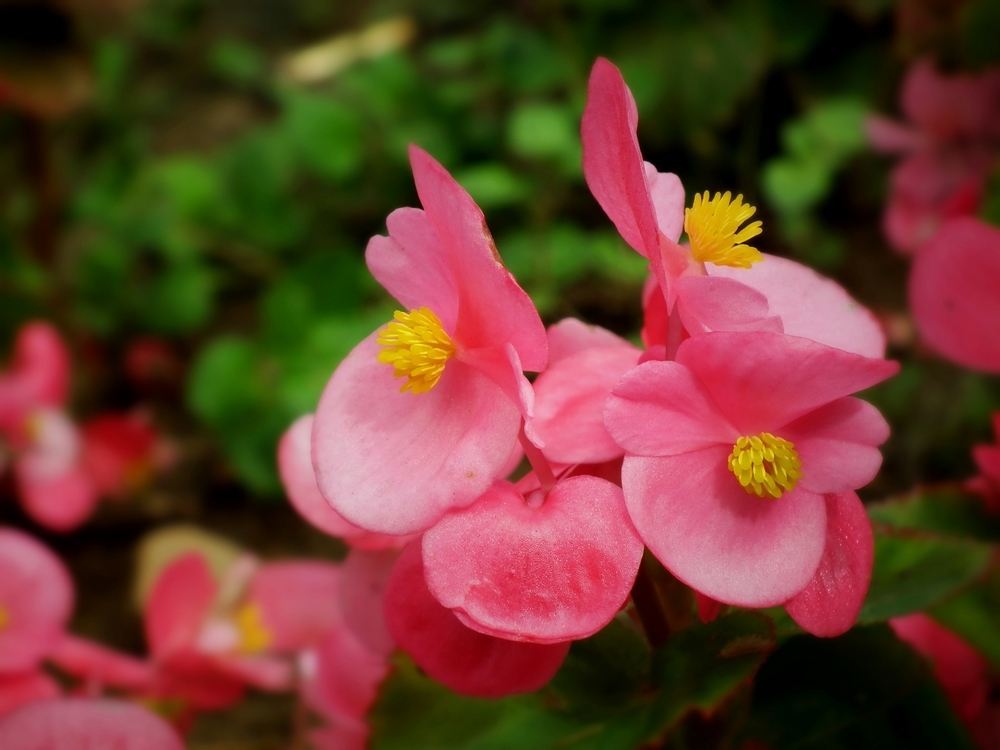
(179, 604)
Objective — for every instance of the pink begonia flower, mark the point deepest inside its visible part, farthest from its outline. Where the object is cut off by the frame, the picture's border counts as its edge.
(462, 659)
(538, 565)
(950, 146)
(394, 461)
(299, 480)
(961, 670)
(37, 375)
(86, 724)
(36, 600)
(741, 459)
(955, 293)
(22, 688)
(987, 458)
(720, 283)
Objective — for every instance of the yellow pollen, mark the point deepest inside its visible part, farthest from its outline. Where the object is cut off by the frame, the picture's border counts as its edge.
(254, 636)
(417, 346)
(765, 465)
(713, 228)
(4, 618)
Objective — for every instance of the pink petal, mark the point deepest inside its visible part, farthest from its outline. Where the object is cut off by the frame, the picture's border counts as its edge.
(708, 608)
(264, 672)
(460, 658)
(569, 404)
(36, 595)
(411, 266)
(838, 445)
(571, 336)
(810, 305)
(492, 309)
(117, 450)
(955, 293)
(612, 161)
(654, 315)
(762, 380)
(829, 605)
(198, 680)
(667, 194)
(60, 502)
(299, 601)
(340, 735)
(24, 688)
(347, 677)
(732, 546)
(178, 604)
(99, 666)
(962, 672)
(362, 590)
(395, 462)
(41, 364)
(658, 409)
(540, 571)
(889, 136)
(299, 480)
(707, 303)
(86, 724)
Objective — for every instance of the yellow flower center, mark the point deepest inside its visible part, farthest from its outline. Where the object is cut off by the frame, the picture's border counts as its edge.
(254, 636)
(713, 228)
(765, 465)
(417, 346)
(4, 618)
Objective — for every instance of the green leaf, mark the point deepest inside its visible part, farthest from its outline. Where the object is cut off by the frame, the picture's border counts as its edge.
(975, 615)
(493, 185)
(545, 132)
(943, 512)
(865, 691)
(326, 134)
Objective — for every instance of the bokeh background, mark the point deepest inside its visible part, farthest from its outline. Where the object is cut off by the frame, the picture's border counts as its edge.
(187, 187)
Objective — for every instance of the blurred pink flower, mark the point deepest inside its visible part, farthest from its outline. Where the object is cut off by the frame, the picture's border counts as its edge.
(121, 452)
(950, 145)
(741, 461)
(955, 293)
(987, 458)
(82, 724)
(394, 462)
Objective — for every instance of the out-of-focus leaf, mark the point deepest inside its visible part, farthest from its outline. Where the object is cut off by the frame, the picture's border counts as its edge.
(325, 133)
(222, 384)
(865, 690)
(178, 300)
(546, 132)
(493, 185)
(975, 615)
(943, 512)
(236, 61)
(980, 29)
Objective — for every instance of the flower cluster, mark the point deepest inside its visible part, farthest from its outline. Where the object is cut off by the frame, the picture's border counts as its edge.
(730, 445)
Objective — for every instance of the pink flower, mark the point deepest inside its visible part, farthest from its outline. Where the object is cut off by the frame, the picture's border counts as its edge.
(460, 658)
(720, 282)
(961, 670)
(955, 293)
(120, 452)
(950, 147)
(987, 458)
(742, 458)
(394, 461)
(36, 600)
(299, 480)
(78, 724)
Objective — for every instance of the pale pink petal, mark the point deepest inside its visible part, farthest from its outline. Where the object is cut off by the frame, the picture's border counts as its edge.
(395, 462)
(810, 305)
(461, 659)
(299, 601)
(86, 724)
(571, 336)
(99, 666)
(762, 381)
(411, 266)
(569, 404)
(59, 502)
(708, 303)
(22, 688)
(178, 604)
(503, 366)
(533, 569)
(36, 596)
(708, 531)
(299, 480)
(612, 161)
(492, 309)
(41, 364)
(955, 293)
(659, 409)
(961, 670)
(667, 194)
(346, 677)
(891, 137)
(264, 672)
(829, 605)
(362, 590)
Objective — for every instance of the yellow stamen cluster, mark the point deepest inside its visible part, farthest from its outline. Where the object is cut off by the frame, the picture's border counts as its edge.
(713, 229)
(254, 635)
(4, 618)
(417, 346)
(765, 465)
